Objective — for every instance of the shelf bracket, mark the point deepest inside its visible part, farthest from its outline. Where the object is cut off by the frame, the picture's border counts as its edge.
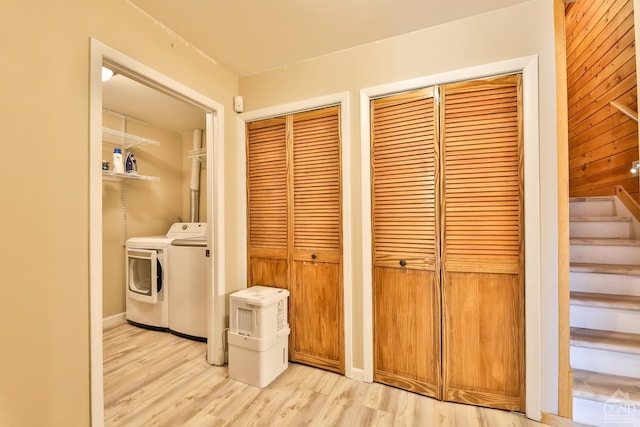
(200, 154)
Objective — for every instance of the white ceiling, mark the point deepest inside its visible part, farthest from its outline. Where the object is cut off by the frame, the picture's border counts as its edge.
(251, 36)
(125, 96)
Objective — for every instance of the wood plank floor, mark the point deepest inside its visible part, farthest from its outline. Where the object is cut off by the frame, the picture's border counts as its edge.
(157, 379)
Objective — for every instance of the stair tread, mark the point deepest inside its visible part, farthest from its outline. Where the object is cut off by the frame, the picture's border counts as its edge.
(590, 299)
(591, 199)
(600, 219)
(605, 387)
(586, 267)
(620, 342)
(598, 241)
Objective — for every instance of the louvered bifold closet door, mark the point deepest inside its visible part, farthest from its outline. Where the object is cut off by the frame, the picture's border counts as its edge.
(267, 203)
(317, 289)
(482, 257)
(406, 289)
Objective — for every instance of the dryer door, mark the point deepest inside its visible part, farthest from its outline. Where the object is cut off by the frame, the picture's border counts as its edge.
(144, 277)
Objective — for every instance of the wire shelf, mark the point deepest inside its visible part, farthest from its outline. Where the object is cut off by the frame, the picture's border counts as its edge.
(127, 140)
(118, 176)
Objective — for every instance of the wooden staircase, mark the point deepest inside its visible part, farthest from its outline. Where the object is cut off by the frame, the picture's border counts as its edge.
(605, 312)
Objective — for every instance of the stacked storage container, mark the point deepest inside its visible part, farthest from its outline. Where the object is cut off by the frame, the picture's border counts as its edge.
(258, 335)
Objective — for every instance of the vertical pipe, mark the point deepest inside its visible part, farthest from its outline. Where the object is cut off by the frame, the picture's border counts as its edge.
(195, 178)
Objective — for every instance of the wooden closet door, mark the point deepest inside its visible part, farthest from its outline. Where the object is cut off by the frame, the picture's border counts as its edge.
(316, 291)
(267, 204)
(483, 288)
(406, 276)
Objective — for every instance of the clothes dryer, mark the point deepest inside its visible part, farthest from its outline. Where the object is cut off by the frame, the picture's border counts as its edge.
(147, 275)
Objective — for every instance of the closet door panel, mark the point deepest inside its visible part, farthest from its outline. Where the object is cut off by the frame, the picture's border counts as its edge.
(267, 205)
(317, 295)
(268, 267)
(483, 339)
(318, 314)
(483, 289)
(407, 344)
(406, 285)
(404, 180)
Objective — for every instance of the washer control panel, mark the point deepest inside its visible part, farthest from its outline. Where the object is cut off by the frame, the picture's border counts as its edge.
(188, 229)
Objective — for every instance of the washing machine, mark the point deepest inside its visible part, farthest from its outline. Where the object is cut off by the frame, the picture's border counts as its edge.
(147, 275)
(188, 277)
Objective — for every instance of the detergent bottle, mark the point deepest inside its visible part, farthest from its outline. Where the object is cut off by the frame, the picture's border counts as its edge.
(118, 166)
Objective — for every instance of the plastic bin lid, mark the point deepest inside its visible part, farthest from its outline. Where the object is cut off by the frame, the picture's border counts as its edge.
(261, 295)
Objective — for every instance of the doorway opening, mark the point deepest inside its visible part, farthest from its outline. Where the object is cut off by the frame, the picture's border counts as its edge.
(102, 54)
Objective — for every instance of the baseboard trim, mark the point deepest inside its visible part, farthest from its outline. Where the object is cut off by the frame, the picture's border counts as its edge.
(357, 374)
(113, 321)
(556, 420)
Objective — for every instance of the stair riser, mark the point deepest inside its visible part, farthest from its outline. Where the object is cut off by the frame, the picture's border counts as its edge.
(592, 208)
(605, 319)
(602, 229)
(607, 362)
(594, 413)
(603, 254)
(617, 284)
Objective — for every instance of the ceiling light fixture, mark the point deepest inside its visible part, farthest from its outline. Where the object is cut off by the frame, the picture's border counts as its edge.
(635, 167)
(106, 74)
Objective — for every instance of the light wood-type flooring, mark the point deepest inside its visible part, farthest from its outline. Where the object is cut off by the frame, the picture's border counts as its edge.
(157, 379)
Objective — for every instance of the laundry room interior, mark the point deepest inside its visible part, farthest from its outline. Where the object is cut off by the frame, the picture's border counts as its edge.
(160, 131)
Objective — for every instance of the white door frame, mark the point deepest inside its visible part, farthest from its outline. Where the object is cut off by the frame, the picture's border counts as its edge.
(529, 68)
(342, 99)
(215, 207)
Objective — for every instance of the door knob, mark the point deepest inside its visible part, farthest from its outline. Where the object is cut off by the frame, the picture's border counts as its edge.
(314, 256)
(403, 263)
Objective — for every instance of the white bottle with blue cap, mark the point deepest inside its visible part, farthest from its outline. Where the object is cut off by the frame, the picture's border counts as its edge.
(118, 166)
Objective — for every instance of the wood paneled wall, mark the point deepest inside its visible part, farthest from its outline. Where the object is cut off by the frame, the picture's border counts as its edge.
(603, 142)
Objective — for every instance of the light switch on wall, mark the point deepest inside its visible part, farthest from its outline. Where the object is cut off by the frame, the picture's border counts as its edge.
(238, 104)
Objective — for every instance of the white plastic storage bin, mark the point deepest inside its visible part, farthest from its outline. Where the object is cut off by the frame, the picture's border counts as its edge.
(259, 311)
(258, 361)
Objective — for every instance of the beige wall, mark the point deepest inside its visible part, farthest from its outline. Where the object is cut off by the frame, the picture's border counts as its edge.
(518, 31)
(44, 256)
(151, 207)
